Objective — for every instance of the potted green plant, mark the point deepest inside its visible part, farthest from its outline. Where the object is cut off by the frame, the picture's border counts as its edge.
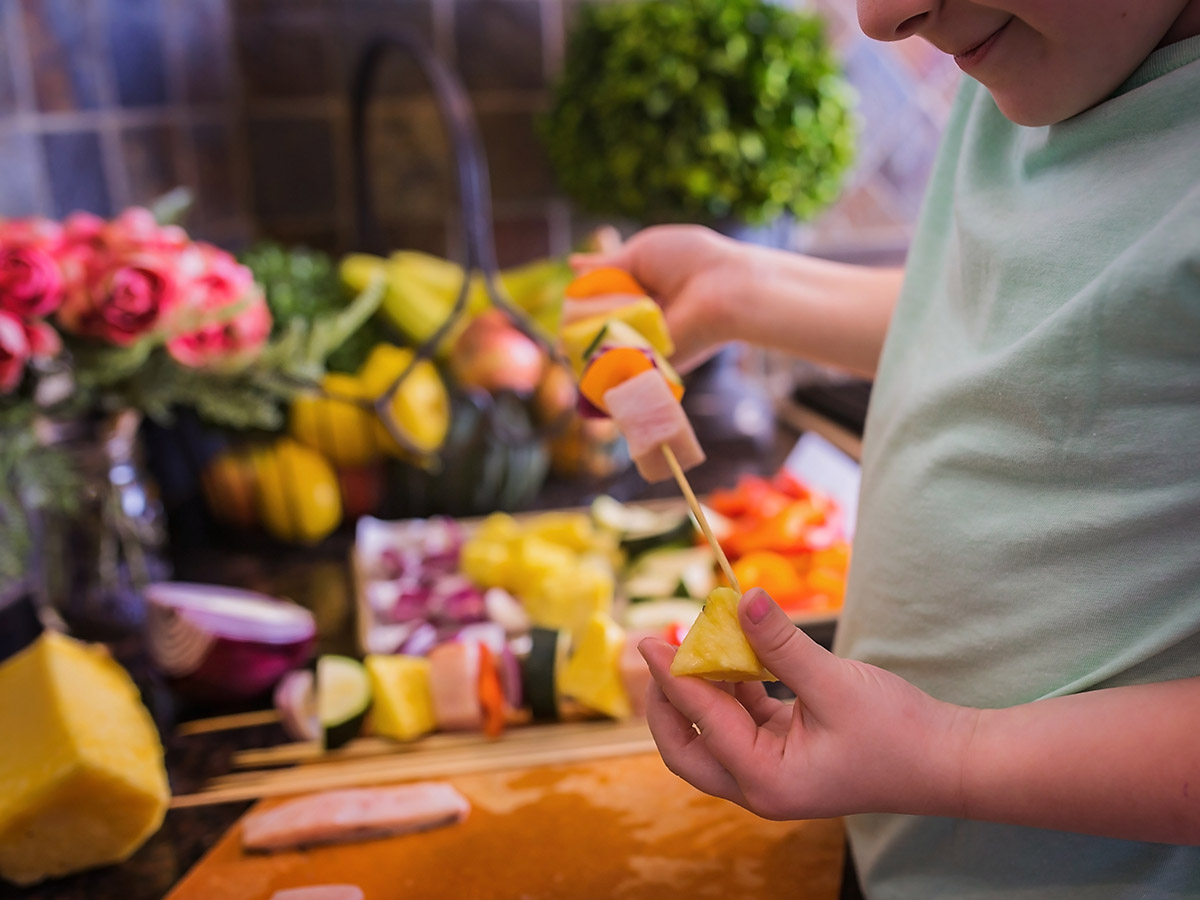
(711, 111)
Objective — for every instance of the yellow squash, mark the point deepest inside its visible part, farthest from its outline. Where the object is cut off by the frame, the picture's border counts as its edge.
(420, 405)
(333, 424)
(299, 499)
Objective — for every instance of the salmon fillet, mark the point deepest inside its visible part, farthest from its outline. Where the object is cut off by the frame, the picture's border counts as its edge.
(649, 416)
(353, 815)
(320, 892)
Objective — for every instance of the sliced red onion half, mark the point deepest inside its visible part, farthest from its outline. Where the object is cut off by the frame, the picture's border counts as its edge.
(219, 643)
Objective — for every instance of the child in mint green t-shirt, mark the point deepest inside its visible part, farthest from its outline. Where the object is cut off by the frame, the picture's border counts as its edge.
(1013, 709)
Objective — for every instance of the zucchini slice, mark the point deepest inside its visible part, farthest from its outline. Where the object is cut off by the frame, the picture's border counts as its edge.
(539, 672)
(641, 530)
(671, 572)
(343, 699)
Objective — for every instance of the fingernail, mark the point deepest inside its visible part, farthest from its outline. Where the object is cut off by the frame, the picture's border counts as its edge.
(757, 606)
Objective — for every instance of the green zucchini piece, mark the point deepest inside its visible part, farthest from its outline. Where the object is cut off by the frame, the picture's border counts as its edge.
(343, 699)
(671, 572)
(641, 530)
(539, 672)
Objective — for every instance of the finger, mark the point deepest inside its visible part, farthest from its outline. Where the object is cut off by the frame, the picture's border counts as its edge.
(753, 695)
(618, 258)
(786, 651)
(728, 730)
(684, 751)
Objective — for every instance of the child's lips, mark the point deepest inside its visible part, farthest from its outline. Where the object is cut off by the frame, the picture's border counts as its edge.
(972, 57)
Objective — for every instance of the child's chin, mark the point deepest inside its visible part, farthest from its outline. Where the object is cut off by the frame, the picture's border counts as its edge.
(1033, 111)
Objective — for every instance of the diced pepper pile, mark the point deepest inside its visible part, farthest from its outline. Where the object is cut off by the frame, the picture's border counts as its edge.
(785, 537)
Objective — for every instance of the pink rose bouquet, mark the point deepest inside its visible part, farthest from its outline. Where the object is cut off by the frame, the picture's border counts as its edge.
(126, 283)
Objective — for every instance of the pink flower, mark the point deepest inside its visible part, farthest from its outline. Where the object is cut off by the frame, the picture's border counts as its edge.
(31, 283)
(225, 343)
(44, 341)
(42, 234)
(217, 284)
(14, 352)
(137, 231)
(126, 301)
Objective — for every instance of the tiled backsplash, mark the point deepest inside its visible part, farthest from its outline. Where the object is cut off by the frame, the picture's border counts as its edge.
(104, 103)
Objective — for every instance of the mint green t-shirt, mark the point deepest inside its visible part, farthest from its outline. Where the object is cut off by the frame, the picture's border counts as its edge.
(1029, 522)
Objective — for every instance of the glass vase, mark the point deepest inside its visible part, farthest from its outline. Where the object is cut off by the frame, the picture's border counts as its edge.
(95, 553)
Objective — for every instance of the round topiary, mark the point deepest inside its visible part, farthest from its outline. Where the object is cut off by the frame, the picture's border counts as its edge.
(700, 110)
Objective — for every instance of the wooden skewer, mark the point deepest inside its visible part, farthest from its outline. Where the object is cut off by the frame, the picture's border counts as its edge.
(228, 723)
(619, 739)
(698, 512)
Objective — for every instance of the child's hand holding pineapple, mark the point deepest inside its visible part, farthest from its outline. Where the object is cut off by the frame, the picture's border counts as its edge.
(856, 739)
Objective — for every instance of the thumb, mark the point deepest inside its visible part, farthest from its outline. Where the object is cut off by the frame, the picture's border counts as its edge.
(784, 649)
(615, 258)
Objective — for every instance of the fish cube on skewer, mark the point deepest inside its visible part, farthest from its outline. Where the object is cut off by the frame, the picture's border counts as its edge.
(648, 414)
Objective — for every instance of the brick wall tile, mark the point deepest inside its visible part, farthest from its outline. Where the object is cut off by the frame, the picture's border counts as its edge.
(22, 175)
(499, 44)
(8, 88)
(292, 169)
(149, 156)
(206, 64)
(409, 164)
(361, 21)
(135, 44)
(77, 182)
(65, 53)
(521, 238)
(517, 161)
(283, 53)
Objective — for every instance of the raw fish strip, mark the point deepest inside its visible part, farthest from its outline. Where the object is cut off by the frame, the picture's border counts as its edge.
(649, 416)
(355, 814)
(454, 681)
(320, 892)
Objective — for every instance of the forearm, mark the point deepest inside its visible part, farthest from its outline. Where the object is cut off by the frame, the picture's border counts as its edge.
(1122, 762)
(824, 311)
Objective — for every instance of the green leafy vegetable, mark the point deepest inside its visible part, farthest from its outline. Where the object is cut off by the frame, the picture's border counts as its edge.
(700, 110)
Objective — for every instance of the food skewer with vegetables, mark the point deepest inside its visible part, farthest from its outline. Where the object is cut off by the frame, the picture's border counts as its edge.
(624, 373)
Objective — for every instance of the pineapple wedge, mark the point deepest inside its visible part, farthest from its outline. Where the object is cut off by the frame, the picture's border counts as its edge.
(403, 700)
(715, 647)
(592, 675)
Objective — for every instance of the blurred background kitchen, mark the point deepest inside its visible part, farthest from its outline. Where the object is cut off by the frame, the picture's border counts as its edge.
(108, 103)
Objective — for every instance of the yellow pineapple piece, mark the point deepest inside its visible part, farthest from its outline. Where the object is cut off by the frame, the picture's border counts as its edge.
(402, 704)
(499, 527)
(715, 647)
(81, 764)
(487, 562)
(572, 530)
(592, 675)
(643, 317)
(567, 597)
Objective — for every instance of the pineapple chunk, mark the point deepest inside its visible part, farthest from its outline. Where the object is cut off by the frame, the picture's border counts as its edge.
(403, 702)
(499, 527)
(80, 762)
(715, 647)
(593, 674)
(566, 598)
(572, 530)
(487, 562)
(533, 560)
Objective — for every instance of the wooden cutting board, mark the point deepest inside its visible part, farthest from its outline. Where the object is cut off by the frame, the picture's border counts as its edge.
(623, 828)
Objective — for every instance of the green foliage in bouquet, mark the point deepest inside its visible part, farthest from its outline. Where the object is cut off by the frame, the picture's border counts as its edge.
(700, 110)
(304, 284)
